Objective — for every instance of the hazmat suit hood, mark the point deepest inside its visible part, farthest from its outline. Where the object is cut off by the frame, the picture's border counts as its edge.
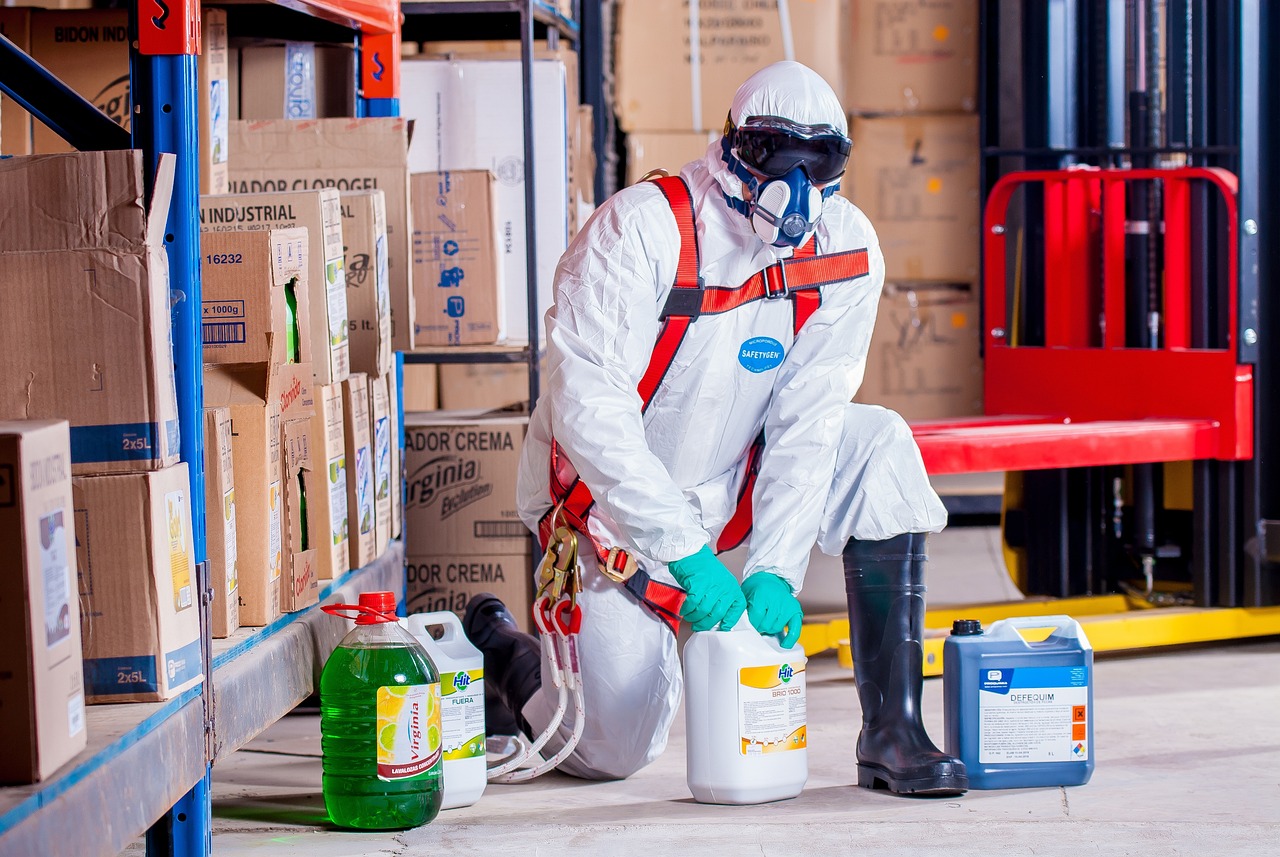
(787, 90)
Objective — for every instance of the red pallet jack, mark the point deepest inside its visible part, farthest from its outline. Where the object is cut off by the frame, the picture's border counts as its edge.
(1084, 399)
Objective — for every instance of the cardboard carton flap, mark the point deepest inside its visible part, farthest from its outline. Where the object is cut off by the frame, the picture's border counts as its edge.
(83, 200)
(234, 385)
(161, 196)
(75, 200)
(310, 143)
(289, 255)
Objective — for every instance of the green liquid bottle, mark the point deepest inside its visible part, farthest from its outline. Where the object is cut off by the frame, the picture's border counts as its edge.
(302, 509)
(291, 338)
(380, 724)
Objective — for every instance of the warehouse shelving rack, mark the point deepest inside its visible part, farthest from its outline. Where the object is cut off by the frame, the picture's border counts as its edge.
(146, 767)
(531, 13)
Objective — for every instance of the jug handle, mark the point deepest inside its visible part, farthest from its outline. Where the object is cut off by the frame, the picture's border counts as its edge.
(1064, 626)
(420, 622)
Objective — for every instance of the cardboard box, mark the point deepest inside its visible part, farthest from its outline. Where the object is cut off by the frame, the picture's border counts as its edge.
(361, 500)
(255, 450)
(84, 311)
(15, 123)
(664, 150)
(449, 582)
(509, 49)
(320, 212)
(397, 454)
(380, 431)
(924, 360)
(141, 621)
(346, 154)
(916, 178)
(233, 82)
(461, 475)
(299, 583)
(214, 101)
(457, 273)
(88, 50)
(297, 80)
(483, 386)
(220, 522)
(326, 484)
(41, 671)
(364, 229)
(908, 57)
(421, 387)
(453, 135)
(736, 39)
(248, 282)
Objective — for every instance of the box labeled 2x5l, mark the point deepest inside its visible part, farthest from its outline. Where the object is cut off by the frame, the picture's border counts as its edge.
(84, 311)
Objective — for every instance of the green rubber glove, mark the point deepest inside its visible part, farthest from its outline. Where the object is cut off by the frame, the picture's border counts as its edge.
(772, 608)
(713, 597)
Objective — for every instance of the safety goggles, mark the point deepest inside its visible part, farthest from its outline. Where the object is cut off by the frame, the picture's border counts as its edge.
(774, 147)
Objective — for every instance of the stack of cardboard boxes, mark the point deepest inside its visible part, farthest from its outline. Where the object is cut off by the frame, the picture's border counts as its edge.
(673, 93)
(297, 334)
(463, 535)
(258, 349)
(907, 72)
(41, 665)
(84, 338)
(470, 235)
(911, 84)
(88, 49)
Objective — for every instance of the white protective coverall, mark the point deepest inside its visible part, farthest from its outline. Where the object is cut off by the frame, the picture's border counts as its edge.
(666, 482)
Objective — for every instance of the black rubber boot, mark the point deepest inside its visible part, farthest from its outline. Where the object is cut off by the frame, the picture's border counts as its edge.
(512, 663)
(885, 584)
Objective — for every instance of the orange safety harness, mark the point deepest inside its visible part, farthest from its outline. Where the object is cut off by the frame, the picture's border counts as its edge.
(798, 279)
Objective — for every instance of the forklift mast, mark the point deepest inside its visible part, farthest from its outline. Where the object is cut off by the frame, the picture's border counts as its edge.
(1140, 85)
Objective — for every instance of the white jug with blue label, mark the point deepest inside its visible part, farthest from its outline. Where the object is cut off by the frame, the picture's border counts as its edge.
(745, 714)
(461, 667)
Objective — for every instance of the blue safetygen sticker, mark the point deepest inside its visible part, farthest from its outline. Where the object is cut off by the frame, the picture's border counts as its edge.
(760, 354)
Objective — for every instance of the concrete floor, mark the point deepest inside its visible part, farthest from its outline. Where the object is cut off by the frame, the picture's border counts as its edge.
(1188, 749)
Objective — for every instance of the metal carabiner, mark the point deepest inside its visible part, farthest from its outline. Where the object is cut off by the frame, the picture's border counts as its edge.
(566, 615)
(558, 569)
(544, 618)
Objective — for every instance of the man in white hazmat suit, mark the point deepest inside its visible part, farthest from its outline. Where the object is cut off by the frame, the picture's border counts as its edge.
(703, 353)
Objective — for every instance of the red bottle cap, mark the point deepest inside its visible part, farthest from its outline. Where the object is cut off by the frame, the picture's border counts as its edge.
(383, 605)
(374, 608)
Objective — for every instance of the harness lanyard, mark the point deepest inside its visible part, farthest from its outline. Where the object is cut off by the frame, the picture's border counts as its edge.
(559, 623)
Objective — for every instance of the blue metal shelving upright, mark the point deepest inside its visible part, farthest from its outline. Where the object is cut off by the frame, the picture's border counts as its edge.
(148, 760)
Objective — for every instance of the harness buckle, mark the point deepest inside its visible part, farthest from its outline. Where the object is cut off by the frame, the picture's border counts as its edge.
(619, 566)
(769, 292)
(684, 302)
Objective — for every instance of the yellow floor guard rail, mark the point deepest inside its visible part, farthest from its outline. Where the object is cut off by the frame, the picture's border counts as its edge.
(1111, 623)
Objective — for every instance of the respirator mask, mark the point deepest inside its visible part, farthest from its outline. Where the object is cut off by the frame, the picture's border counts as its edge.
(793, 159)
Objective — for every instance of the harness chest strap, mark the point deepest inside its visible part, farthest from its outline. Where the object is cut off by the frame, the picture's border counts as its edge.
(798, 279)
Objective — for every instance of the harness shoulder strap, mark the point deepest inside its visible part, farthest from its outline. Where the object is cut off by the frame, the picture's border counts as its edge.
(805, 302)
(681, 202)
(688, 281)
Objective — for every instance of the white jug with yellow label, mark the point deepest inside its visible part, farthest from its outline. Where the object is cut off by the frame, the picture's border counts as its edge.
(461, 668)
(745, 714)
